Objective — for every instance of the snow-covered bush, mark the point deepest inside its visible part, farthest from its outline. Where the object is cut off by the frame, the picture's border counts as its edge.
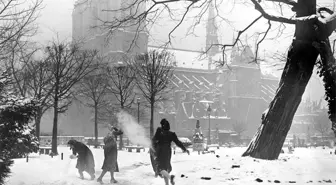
(17, 139)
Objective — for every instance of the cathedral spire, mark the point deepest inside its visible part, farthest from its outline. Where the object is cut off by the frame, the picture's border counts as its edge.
(211, 32)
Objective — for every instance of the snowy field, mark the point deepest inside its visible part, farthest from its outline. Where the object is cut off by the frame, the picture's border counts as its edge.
(312, 166)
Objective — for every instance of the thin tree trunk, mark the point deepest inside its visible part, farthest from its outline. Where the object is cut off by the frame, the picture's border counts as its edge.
(38, 118)
(55, 121)
(55, 126)
(96, 125)
(276, 122)
(151, 125)
(121, 143)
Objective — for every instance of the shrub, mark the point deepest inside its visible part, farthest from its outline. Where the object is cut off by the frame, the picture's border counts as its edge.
(17, 139)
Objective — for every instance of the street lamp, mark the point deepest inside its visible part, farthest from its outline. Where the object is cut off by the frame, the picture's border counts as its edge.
(138, 102)
(209, 113)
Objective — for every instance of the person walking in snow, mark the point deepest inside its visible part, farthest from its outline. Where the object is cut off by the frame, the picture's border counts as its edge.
(85, 160)
(152, 153)
(110, 155)
(163, 138)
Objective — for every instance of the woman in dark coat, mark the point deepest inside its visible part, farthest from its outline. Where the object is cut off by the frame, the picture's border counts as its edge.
(162, 139)
(85, 161)
(110, 155)
(152, 152)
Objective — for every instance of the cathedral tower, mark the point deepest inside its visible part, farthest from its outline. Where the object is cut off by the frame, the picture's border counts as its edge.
(211, 35)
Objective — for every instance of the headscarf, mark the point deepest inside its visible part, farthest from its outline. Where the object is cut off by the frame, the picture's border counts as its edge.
(72, 143)
(165, 124)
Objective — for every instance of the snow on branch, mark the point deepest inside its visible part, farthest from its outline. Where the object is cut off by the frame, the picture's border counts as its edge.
(288, 2)
(282, 19)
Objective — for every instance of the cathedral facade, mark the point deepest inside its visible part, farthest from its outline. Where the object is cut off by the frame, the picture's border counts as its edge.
(236, 92)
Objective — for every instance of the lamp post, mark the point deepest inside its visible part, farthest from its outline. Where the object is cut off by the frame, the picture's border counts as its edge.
(138, 102)
(209, 113)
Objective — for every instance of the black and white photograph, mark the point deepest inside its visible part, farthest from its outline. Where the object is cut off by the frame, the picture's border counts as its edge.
(167, 92)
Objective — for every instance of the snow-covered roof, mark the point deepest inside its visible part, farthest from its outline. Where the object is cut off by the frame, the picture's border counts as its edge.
(188, 59)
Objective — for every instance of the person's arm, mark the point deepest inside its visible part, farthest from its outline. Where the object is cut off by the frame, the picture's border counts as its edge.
(117, 132)
(74, 151)
(178, 142)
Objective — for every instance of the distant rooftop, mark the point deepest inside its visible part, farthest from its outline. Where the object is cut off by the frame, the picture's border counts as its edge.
(188, 58)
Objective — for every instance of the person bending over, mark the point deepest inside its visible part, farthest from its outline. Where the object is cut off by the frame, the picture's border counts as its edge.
(85, 161)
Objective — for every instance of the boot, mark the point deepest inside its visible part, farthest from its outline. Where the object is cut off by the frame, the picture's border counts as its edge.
(113, 181)
(81, 176)
(100, 180)
(172, 179)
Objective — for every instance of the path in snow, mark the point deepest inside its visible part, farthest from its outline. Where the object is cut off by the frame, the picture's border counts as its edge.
(302, 166)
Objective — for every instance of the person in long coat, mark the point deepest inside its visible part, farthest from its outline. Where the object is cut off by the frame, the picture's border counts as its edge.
(110, 155)
(163, 138)
(85, 160)
(153, 153)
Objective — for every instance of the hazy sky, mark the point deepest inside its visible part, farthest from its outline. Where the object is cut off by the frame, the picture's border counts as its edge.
(56, 19)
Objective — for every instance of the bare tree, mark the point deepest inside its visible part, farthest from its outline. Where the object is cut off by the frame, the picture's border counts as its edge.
(322, 123)
(121, 85)
(313, 26)
(17, 24)
(94, 89)
(69, 65)
(16, 64)
(153, 70)
(39, 85)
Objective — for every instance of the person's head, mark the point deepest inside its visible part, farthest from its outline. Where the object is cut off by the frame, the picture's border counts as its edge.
(165, 124)
(198, 124)
(71, 143)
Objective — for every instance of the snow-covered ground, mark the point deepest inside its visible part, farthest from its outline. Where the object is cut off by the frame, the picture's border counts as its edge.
(314, 166)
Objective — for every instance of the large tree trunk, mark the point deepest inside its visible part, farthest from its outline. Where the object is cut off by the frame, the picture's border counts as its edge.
(277, 120)
(38, 118)
(96, 125)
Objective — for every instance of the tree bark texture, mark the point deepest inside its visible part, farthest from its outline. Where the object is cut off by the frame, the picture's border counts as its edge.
(277, 120)
(327, 67)
(38, 118)
(96, 124)
(151, 124)
(55, 121)
(121, 143)
(55, 126)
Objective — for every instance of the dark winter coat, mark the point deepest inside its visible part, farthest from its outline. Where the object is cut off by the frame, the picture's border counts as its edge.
(152, 151)
(85, 160)
(162, 145)
(111, 152)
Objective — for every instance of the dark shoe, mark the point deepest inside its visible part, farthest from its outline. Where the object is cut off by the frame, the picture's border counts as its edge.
(113, 181)
(100, 181)
(93, 177)
(172, 179)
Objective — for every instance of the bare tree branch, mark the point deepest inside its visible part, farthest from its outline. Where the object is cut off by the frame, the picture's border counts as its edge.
(154, 71)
